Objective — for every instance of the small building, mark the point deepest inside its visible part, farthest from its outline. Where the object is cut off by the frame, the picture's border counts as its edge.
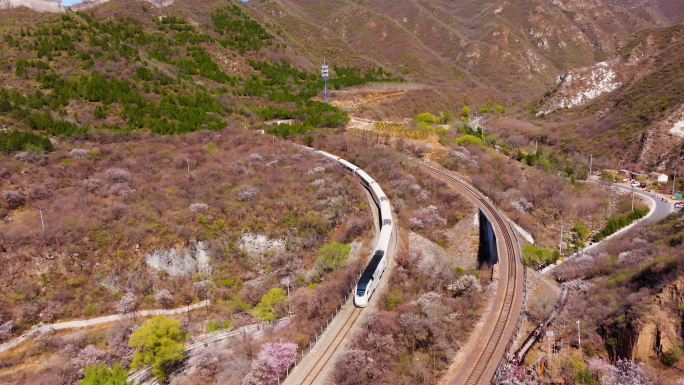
(625, 173)
(658, 177)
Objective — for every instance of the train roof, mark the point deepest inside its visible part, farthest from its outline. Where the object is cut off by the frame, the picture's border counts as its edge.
(370, 269)
(349, 165)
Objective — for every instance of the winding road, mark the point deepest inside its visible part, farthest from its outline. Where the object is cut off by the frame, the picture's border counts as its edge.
(659, 210)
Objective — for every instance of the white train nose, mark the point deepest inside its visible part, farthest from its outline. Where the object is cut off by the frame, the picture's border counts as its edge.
(360, 301)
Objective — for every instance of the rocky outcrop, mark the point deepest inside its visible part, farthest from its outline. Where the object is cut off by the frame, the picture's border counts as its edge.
(178, 261)
(658, 330)
(37, 5)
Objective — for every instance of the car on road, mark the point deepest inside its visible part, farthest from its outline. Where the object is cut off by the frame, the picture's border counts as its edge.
(635, 184)
(679, 205)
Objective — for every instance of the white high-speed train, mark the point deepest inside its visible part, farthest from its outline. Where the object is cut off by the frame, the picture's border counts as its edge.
(371, 274)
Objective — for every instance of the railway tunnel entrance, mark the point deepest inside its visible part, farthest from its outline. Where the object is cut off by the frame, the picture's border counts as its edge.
(487, 253)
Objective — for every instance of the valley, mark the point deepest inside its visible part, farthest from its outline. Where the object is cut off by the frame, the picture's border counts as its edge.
(167, 213)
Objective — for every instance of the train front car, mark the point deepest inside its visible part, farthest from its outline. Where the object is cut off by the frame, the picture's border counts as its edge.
(371, 275)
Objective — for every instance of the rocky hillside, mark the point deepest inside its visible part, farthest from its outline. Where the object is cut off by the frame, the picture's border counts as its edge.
(633, 101)
(629, 298)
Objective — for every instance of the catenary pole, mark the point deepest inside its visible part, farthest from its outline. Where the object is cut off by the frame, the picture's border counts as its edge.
(579, 338)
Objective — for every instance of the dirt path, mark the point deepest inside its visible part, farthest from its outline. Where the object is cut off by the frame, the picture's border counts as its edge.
(97, 321)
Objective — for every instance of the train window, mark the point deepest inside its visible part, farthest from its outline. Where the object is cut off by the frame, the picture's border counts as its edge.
(387, 222)
(361, 289)
(383, 199)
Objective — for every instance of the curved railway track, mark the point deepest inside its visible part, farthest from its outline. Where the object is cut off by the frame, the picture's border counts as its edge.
(483, 368)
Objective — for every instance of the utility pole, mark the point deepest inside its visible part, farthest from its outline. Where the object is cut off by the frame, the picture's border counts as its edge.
(632, 198)
(188, 162)
(560, 245)
(579, 339)
(41, 219)
(674, 178)
(591, 163)
(535, 146)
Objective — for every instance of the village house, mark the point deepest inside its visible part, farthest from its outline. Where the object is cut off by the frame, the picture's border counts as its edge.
(658, 177)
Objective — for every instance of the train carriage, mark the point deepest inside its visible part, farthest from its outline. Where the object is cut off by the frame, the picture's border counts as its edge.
(366, 179)
(350, 167)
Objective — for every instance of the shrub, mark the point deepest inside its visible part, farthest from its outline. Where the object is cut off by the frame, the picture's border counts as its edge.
(159, 345)
(266, 308)
(672, 356)
(247, 194)
(213, 326)
(468, 139)
(164, 298)
(121, 189)
(331, 256)
(467, 284)
(14, 198)
(427, 118)
(98, 374)
(584, 376)
(6, 329)
(118, 175)
(536, 257)
(393, 300)
(79, 153)
(197, 207)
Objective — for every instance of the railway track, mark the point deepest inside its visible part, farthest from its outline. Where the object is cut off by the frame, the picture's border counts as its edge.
(330, 349)
(497, 341)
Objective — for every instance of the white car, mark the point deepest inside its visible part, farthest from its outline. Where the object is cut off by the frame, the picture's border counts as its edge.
(679, 205)
(635, 184)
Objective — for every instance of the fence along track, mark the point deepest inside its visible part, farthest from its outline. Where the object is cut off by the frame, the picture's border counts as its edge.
(330, 349)
(487, 358)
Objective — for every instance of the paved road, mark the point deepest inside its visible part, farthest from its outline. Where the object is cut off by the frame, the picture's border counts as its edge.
(659, 210)
(662, 208)
(479, 360)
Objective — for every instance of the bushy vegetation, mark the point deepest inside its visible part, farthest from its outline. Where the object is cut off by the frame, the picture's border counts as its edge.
(17, 140)
(617, 222)
(331, 256)
(238, 30)
(98, 374)
(163, 95)
(538, 257)
(159, 344)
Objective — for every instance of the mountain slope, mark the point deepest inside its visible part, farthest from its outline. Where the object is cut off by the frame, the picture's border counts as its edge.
(634, 102)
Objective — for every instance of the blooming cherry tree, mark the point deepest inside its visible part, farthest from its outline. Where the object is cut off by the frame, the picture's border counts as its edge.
(270, 365)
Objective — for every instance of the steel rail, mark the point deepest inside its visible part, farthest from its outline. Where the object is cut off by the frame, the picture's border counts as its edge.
(496, 338)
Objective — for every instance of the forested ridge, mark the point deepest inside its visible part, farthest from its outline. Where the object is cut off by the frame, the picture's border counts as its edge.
(77, 72)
